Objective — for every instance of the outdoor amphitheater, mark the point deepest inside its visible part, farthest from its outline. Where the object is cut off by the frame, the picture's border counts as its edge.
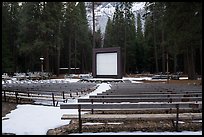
(142, 106)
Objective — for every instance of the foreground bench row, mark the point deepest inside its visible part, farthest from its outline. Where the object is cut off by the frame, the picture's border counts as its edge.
(134, 106)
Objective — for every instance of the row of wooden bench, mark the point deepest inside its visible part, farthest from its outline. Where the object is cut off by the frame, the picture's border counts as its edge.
(137, 106)
(68, 87)
(42, 95)
(140, 97)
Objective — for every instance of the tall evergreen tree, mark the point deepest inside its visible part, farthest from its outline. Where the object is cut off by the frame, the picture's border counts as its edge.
(7, 58)
(98, 38)
(188, 38)
(123, 30)
(78, 45)
(108, 39)
(139, 46)
(84, 41)
(28, 34)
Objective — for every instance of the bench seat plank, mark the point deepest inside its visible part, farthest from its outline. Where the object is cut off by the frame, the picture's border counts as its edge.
(182, 116)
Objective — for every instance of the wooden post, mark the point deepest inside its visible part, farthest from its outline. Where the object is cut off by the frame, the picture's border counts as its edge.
(80, 121)
(63, 96)
(53, 99)
(4, 95)
(92, 108)
(16, 93)
(177, 116)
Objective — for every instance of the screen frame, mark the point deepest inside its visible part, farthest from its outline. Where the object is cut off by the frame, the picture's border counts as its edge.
(103, 51)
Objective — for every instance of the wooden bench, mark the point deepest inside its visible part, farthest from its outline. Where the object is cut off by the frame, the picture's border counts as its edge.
(147, 95)
(144, 99)
(132, 106)
(55, 97)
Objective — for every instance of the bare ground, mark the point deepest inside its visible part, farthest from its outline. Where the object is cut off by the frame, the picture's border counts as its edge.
(139, 125)
(7, 107)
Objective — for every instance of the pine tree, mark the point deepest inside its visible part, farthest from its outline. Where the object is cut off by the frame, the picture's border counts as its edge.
(108, 39)
(123, 30)
(139, 51)
(7, 59)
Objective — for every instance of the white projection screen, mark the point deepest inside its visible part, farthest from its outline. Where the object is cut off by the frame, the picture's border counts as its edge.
(106, 64)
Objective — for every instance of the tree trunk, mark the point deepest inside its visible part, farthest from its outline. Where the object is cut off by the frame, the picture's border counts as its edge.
(93, 25)
(185, 67)
(155, 48)
(82, 61)
(124, 65)
(191, 66)
(125, 39)
(69, 54)
(192, 63)
(162, 46)
(201, 59)
(175, 62)
(75, 44)
(163, 53)
(58, 50)
(47, 61)
(58, 60)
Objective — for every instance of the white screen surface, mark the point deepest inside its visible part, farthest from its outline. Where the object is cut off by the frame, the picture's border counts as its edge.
(106, 64)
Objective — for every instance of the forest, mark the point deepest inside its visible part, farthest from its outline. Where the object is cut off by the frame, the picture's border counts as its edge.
(171, 40)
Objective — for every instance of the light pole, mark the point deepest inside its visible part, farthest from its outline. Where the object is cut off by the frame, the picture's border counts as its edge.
(41, 63)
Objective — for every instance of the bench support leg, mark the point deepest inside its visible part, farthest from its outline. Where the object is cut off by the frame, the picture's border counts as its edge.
(16, 93)
(53, 99)
(4, 95)
(177, 116)
(92, 108)
(80, 121)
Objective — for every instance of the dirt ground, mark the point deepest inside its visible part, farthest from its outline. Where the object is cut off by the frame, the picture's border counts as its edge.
(7, 107)
(125, 126)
